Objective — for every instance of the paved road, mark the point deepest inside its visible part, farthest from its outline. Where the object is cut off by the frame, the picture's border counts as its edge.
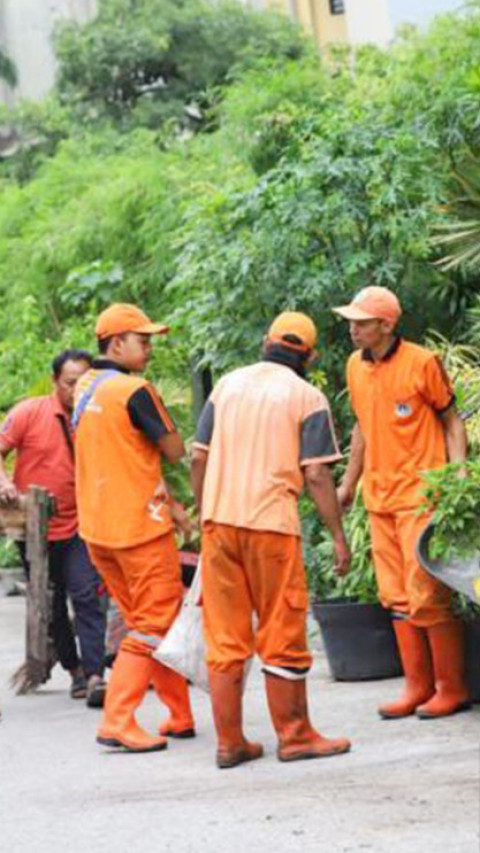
(406, 786)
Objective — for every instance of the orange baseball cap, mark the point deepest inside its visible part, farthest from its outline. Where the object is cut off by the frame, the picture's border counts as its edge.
(372, 303)
(293, 323)
(122, 317)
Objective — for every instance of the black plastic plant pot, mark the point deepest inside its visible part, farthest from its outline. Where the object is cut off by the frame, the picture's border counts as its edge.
(472, 658)
(359, 640)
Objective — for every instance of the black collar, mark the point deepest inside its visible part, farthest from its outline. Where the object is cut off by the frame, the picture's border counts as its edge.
(107, 364)
(367, 353)
(289, 358)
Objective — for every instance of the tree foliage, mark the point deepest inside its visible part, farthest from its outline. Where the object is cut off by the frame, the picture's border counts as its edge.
(308, 180)
(147, 61)
(8, 71)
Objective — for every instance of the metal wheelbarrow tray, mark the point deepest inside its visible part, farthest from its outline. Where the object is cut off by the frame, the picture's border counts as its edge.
(459, 573)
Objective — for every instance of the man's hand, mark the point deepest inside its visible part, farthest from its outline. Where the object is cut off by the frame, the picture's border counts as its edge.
(342, 556)
(161, 492)
(8, 491)
(181, 519)
(345, 496)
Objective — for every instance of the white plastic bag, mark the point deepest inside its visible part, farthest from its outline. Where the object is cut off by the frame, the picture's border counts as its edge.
(183, 647)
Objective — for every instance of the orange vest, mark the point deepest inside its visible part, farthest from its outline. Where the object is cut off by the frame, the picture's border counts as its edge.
(117, 468)
(396, 401)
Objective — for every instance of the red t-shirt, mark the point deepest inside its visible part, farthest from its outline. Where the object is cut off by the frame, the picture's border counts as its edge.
(33, 429)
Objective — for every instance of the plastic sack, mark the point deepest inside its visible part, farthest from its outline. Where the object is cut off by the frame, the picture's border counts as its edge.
(183, 647)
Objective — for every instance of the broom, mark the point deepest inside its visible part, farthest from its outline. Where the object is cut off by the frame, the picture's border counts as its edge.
(30, 675)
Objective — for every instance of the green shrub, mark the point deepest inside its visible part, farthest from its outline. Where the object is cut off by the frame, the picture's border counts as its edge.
(9, 555)
(359, 584)
(452, 494)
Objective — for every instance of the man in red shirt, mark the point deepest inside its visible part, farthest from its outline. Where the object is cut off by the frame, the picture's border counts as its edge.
(38, 431)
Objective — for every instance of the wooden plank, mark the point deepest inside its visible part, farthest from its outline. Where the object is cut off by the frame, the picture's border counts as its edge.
(40, 655)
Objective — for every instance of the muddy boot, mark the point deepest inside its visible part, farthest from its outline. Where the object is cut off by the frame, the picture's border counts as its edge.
(172, 689)
(226, 689)
(297, 739)
(128, 684)
(451, 692)
(417, 667)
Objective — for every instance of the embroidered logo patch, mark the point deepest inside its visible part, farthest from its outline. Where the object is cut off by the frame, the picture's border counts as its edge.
(403, 410)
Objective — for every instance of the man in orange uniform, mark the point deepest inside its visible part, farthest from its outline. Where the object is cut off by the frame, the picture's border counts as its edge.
(406, 424)
(263, 433)
(125, 514)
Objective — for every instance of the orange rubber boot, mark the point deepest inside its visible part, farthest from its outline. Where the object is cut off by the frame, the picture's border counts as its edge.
(172, 689)
(417, 667)
(128, 684)
(297, 739)
(226, 690)
(451, 692)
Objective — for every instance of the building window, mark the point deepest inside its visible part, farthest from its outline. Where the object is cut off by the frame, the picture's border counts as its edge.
(337, 7)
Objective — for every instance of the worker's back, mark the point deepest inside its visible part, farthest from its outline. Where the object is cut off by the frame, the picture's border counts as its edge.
(260, 425)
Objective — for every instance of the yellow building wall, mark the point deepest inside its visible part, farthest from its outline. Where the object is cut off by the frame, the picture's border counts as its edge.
(315, 17)
(328, 28)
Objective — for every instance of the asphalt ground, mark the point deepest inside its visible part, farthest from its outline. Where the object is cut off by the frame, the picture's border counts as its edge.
(406, 787)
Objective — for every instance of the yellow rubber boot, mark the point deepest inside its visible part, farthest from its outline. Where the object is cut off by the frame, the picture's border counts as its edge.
(172, 689)
(417, 666)
(297, 739)
(226, 689)
(451, 693)
(130, 679)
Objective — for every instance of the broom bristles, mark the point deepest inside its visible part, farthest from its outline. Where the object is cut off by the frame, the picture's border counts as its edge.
(28, 677)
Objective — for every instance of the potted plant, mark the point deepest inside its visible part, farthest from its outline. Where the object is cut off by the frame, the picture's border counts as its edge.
(450, 549)
(356, 630)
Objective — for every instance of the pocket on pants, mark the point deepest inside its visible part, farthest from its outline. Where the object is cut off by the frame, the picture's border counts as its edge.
(297, 599)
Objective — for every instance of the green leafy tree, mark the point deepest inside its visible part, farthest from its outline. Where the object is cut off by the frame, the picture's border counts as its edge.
(348, 206)
(8, 71)
(147, 61)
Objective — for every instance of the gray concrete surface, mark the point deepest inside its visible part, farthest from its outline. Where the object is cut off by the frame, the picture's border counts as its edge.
(406, 786)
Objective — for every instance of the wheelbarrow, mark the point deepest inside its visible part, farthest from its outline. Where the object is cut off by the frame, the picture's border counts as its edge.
(459, 573)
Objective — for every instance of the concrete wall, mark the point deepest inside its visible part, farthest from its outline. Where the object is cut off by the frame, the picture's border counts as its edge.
(25, 35)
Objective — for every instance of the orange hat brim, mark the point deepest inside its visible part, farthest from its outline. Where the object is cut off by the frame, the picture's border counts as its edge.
(152, 329)
(351, 312)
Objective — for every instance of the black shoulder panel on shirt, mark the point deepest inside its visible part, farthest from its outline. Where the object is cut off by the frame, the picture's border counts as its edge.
(145, 416)
(317, 439)
(205, 424)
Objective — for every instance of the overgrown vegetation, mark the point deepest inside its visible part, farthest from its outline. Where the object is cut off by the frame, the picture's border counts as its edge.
(203, 161)
(306, 181)
(451, 494)
(359, 583)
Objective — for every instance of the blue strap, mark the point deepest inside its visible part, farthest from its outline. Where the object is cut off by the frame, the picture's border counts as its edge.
(88, 394)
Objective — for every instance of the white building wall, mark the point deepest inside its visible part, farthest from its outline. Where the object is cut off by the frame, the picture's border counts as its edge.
(26, 28)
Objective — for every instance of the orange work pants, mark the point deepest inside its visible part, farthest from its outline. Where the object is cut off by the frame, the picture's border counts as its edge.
(246, 571)
(145, 581)
(403, 585)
